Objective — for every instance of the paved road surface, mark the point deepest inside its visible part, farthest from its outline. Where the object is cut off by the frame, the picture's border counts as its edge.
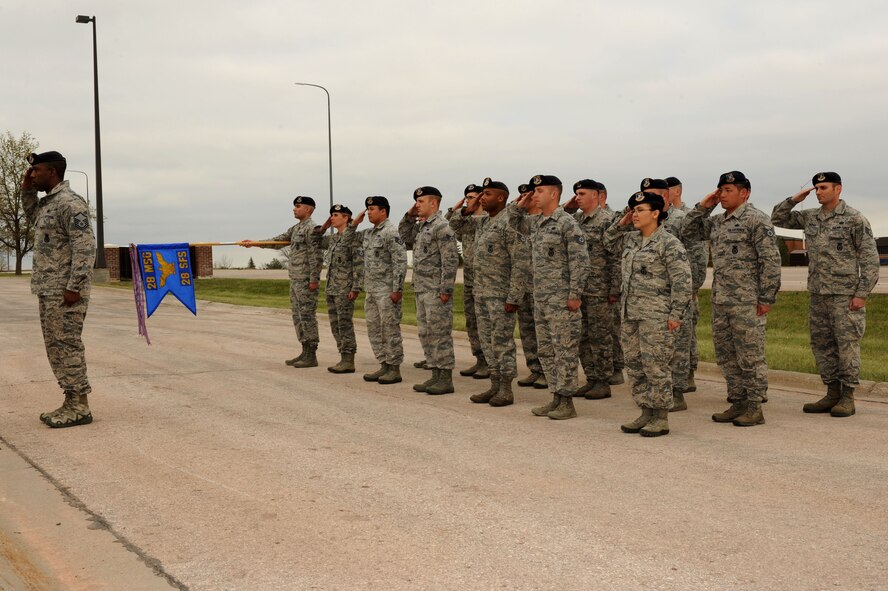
(212, 466)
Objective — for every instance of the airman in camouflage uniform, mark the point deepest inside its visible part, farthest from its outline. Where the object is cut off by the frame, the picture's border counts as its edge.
(64, 254)
(382, 275)
(746, 278)
(843, 269)
(502, 264)
(561, 267)
(655, 300)
(698, 256)
(342, 290)
(615, 289)
(465, 230)
(435, 262)
(526, 326)
(305, 262)
(596, 348)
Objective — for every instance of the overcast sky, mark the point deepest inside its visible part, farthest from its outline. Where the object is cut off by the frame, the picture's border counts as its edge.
(205, 137)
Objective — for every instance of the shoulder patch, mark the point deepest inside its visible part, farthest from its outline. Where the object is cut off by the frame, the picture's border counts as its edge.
(80, 221)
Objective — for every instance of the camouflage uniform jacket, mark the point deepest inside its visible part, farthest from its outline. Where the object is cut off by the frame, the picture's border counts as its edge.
(306, 254)
(603, 264)
(343, 259)
(842, 254)
(465, 228)
(435, 258)
(656, 274)
(745, 257)
(560, 257)
(698, 254)
(64, 246)
(502, 258)
(384, 260)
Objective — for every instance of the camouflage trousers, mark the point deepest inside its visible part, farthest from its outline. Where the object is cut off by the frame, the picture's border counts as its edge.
(496, 328)
(62, 328)
(739, 339)
(304, 305)
(681, 358)
(434, 319)
(341, 311)
(558, 334)
(596, 348)
(648, 347)
(695, 317)
(616, 339)
(527, 332)
(384, 327)
(835, 338)
(469, 309)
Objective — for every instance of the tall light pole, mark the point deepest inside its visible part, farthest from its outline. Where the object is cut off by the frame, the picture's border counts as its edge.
(100, 225)
(86, 176)
(329, 136)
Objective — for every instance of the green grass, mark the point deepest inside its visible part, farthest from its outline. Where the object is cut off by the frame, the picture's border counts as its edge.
(787, 345)
(787, 342)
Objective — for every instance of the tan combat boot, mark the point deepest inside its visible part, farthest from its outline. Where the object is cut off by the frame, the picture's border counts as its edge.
(565, 408)
(678, 401)
(468, 372)
(296, 359)
(444, 383)
(310, 357)
(752, 416)
(485, 396)
(392, 375)
(845, 406)
(44, 416)
(541, 383)
(616, 378)
(74, 412)
(583, 390)
(825, 404)
(542, 411)
(420, 364)
(504, 397)
(424, 385)
(659, 424)
(692, 385)
(600, 390)
(736, 409)
(483, 371)
(647, 414)
(529, 380)
(374, 377)
(346, 364)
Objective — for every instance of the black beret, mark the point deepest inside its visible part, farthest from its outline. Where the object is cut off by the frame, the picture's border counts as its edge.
(650, 183)
(826, 177)
(586, 184)
(545, 180)
(339, 208)
(601, 187)
(735, 177)
(377, 200)
(489, 184)
(45, 157)
(673, 182)
(426, 191)
(473, 188)
(525, 188)
(302, 200)
(652, 199)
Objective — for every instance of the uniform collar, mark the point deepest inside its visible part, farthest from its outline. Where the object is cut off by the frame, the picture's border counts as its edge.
(839, 210)
(57, 189)
(737, 212)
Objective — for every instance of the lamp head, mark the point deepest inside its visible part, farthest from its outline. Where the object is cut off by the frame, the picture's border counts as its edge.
(83, 19)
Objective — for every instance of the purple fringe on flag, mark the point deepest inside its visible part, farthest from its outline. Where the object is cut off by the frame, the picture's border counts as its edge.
(139, 293)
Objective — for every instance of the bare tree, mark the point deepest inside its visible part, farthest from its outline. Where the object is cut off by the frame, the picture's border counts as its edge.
(16, 232)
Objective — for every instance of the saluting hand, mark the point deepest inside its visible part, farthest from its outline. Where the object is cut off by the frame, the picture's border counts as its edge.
(358, 218)
(800, 196)
(711, 200)
(28, 179)
(627, 218)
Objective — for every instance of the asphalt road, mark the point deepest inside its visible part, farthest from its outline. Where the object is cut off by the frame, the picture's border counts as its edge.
(212, 466)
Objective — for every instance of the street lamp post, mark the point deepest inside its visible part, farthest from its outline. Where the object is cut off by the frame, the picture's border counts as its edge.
(100, 225)
(329, 136)
(86, 176)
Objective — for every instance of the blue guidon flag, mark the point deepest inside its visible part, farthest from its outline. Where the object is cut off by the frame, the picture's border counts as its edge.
(166, 268)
